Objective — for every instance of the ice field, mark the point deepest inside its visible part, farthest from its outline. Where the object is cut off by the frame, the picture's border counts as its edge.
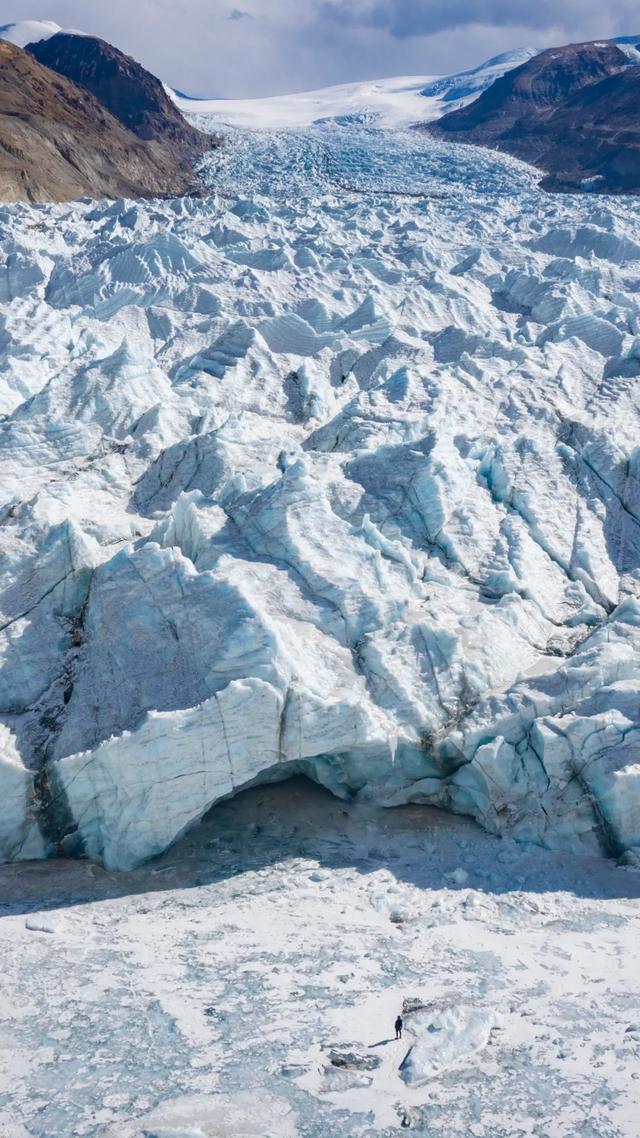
(333, 474)
(246, 984)
(388, 103)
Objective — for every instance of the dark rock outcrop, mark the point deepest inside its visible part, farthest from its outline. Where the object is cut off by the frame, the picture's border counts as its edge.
(571, 111)
(120, 84)
(58, 142)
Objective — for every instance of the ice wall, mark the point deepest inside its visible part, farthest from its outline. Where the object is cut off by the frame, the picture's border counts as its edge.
(350, 487)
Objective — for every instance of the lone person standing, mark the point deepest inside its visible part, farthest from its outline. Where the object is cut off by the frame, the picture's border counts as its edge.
(398, 1027)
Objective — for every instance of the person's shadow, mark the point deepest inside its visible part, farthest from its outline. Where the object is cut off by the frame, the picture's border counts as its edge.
(381, 1043)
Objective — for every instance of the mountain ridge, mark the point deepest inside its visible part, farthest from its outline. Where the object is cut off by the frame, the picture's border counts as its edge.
(570, 111)
(58, 141)
(128, 91)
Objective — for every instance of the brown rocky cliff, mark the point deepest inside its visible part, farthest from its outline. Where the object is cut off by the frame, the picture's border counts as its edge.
(57, 142)
(571, 111)
(132, 94)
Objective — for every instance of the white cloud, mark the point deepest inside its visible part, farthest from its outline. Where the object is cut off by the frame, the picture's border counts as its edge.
(212, 47)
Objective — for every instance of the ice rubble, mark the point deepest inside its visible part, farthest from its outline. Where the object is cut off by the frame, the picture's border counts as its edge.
(371, 513)
(444, 1038)
(239, 1115)
(30, 31)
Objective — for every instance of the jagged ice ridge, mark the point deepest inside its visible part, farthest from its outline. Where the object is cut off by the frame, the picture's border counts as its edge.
(346, 486)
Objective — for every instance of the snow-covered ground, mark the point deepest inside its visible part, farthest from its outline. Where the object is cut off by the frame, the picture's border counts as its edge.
(387, 103)
(341, 480)
(246, 985)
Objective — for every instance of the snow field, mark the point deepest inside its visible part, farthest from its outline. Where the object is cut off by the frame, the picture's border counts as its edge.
(246, 984)
(388, 103)
(23, 32)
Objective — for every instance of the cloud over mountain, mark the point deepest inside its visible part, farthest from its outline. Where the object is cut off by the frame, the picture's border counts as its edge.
(214, 47)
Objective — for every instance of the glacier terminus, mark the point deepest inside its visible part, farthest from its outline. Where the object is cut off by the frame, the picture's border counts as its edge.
(341, 482)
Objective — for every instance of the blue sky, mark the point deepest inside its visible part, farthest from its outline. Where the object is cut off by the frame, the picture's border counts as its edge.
(258, 47)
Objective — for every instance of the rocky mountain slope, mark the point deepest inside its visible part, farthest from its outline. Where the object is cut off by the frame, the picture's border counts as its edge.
(58, 141)
(120, 84)
(571, 111)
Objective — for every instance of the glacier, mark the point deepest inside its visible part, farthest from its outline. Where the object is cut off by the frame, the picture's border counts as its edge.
(389, 103)
(334, 472)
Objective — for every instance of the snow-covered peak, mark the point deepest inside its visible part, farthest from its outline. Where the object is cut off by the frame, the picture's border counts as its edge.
(630, 46)
(463, 86)
(32, 31)
(29, 31)
(392, 102)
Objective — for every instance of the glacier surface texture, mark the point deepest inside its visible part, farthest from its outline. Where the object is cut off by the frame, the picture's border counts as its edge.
(334, 473)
